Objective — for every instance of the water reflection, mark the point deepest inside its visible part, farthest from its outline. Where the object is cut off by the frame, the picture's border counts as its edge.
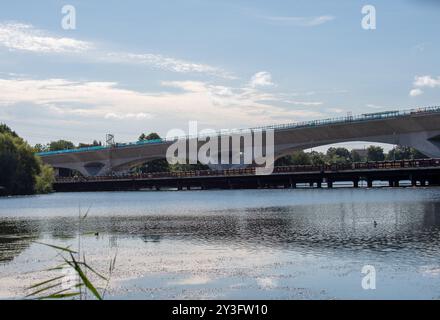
(339, 226)
(15, 237)
(241, 244)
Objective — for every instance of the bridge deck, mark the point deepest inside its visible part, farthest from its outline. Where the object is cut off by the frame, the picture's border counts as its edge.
(297, 125)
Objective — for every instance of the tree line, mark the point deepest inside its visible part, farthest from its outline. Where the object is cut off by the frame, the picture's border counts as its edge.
(64, 145)
(340, 155)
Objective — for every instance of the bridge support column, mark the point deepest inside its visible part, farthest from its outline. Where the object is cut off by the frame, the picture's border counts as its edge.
(329, 184)
(356, 183)
(319, 184)
(369, 183)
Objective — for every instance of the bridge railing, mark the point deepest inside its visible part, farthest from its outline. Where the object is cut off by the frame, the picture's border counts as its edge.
(398, 164)
(295, 125)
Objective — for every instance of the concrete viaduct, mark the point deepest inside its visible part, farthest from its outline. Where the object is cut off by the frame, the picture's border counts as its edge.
(418, 128)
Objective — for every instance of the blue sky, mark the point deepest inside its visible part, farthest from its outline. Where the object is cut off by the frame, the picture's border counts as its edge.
(142, 66)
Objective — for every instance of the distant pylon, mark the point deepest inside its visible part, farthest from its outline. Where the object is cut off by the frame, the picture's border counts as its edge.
(110, 139)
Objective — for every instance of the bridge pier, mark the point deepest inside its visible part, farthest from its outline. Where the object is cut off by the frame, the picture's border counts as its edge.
(393, 183)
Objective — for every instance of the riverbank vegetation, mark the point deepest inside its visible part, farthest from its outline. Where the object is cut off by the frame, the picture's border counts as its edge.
(21, 172)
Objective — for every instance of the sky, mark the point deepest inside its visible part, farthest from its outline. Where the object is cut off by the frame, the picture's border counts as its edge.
(151, 66)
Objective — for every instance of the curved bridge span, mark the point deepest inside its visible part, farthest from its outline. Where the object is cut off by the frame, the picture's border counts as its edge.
(417, 128)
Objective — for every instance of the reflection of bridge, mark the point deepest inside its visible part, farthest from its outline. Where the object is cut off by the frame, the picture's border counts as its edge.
(418, 172)
(418, 128)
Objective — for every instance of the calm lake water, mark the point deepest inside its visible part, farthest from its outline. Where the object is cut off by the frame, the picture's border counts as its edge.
(238, 244)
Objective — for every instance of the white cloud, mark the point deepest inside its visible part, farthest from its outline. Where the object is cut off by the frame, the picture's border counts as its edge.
(423, 82)
(25, 37)
(335, 110)
(261, 79)
(165, 63)
(415, 92)
(214, 106)
(304, 103)
(375, 106)
(121, 116)
(19, 36)
(300, 21)
(426, 81)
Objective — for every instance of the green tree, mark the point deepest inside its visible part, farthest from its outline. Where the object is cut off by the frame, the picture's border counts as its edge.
(404, 153)
(296, 158)
(6, 130)
(60, 145)
(399, 153)
(317, 158)
(45, 179)
(188, 167)
(151, 136)
(159, 165)
(95, 143)
(375, 153)
(301, 158)
(18, 165)
(40, 147)
(284, 161)
(20, 169)
(338, 155)
(356, 157)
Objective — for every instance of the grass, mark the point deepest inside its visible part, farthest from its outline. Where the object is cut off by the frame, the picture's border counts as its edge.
(75, 262)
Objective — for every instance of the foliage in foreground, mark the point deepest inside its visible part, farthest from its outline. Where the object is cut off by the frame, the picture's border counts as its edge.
(63, 286)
